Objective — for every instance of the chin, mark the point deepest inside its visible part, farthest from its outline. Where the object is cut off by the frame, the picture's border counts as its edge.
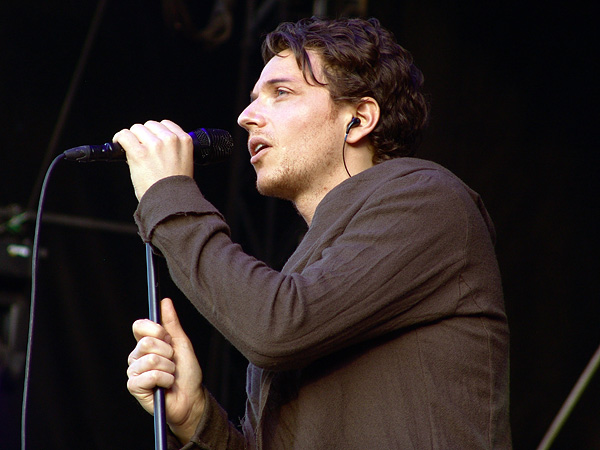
(273, 188)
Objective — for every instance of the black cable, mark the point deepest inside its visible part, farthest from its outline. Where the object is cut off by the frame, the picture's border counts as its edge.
(344, 156)
(34, 273)
(74, 84)
(154, 314)
(68, 101)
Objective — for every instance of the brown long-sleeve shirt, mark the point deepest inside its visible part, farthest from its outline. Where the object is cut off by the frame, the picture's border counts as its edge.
(385, 329)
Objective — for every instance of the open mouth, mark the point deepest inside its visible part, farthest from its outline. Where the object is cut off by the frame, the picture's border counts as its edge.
(257, 145)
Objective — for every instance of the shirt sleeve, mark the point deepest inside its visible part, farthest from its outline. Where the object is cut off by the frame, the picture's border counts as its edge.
(378, 275)
(214, 432)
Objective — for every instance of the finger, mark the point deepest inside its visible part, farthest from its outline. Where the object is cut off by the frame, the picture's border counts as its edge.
(172, 135)
(149, 345)
(146, 327)
(127, 139)
(149, 363)
(176, 129)
(170, 320)
(166, 130)
(156, 128)
(149, 133)
(148, 381)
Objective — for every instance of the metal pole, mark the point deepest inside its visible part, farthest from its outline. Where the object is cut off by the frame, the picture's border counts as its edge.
(160, 421)
(570, 402)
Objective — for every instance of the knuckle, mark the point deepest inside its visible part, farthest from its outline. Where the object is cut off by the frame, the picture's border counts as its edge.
(171, 139)
(153, 360)
(171, 354)
(146, 344)
(133, 384)
(187, 139)
(131, 373)
(151, 377)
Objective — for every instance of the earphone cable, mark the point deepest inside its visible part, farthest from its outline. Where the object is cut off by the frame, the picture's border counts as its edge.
(344, 156)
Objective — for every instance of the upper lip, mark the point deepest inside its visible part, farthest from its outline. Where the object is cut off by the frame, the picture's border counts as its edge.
(256, 144)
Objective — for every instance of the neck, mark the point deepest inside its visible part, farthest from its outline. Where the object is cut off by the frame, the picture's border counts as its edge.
(307, 202)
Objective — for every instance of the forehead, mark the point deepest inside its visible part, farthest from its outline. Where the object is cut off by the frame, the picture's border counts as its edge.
(284, 66)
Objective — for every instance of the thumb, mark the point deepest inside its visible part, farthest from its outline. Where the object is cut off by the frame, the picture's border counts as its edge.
(170, 320)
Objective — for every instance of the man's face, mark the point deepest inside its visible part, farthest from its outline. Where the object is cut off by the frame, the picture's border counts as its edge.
(295, 134)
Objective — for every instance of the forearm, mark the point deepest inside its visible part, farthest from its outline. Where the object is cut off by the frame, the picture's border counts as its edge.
(343, 290)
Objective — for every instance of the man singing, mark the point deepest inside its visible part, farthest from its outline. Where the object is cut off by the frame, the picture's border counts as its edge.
(386, 327)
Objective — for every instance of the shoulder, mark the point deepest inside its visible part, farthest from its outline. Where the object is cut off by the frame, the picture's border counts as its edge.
(410, 187)
(409, 170)
(399, 179)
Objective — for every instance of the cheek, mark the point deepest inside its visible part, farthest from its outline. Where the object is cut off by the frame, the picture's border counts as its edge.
(321, 134)
(308, 132)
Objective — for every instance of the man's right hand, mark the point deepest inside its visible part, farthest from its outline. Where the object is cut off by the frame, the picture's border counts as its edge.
(164, 357)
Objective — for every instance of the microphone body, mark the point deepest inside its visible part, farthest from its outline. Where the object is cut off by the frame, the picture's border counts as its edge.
(211, 145)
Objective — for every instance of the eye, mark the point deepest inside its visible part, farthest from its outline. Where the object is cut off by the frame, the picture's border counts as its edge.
(280, 92)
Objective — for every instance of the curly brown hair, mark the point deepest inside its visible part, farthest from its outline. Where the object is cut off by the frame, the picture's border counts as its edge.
(361, 59)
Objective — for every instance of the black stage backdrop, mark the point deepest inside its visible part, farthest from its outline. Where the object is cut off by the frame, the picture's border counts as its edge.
(514, 88)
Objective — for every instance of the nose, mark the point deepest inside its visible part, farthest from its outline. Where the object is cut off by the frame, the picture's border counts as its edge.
(251, 117)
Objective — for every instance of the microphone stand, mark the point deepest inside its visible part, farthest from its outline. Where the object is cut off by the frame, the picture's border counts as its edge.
(160, 421)
(571, 401)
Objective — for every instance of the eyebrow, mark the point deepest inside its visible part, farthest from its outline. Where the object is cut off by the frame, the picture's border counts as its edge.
(271, 82)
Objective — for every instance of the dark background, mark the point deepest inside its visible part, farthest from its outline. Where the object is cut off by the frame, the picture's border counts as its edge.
(514, 88)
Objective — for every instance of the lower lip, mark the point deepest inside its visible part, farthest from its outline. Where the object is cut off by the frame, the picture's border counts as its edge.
(256, 157)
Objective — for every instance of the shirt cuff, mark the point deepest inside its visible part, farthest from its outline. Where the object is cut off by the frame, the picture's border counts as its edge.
(171, 196)
(215, 431)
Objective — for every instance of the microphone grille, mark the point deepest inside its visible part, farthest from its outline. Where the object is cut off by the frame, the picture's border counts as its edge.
(211, 145)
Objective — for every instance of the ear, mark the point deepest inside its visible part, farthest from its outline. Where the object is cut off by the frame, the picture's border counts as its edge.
(368, 113)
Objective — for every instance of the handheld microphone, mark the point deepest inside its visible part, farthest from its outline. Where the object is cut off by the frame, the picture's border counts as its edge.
(211, 145)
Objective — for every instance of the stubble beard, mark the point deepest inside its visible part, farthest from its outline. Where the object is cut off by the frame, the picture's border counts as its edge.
(283, 183)
(298, 174)
(298, 177)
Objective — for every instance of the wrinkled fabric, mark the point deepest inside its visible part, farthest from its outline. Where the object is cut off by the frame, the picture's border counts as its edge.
(385, 329)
